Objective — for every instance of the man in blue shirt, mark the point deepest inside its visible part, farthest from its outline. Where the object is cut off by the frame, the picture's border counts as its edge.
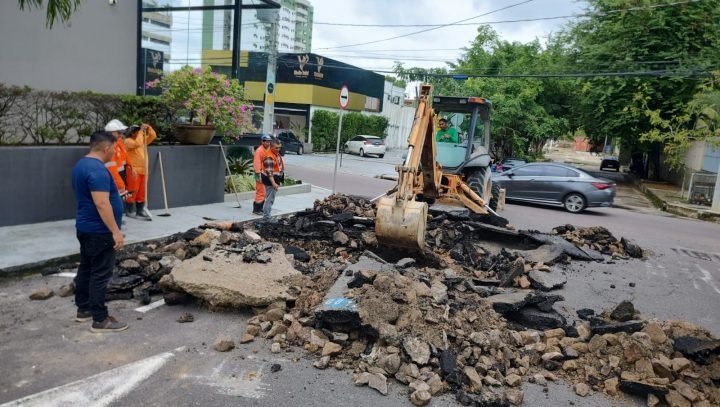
(98, 220)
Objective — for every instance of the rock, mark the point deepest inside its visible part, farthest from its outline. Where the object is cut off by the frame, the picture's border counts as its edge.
(611, 386)
(680, 364)
(417, 349)
(263, 258)
(131, 265)
(516, 269)
(655, 332)
(390, 363)
(438, 291)
(185, 317)
(685, 390)
(331, 349)
(642, 389)
(42, 294)
(379, 383)
(623, 312)
(340, 238)
(246, 338)
(585, 313)
(206, 238)
(361, 379)
(419, 385)
(274, 314)
(514, 396)
(275, 367)
(675, 399)
(534, 318)
(558, 333)
(569, 365)
(552, 356)
(633, 351)
(582, 389)
(523, 282)
(177, 298)
(513, 380)
(66, 290)
(570, 353)
(420, 397)
(539, 379)
(275, 348)
(473, 377)
(361, 278)
(252, 236)
(597, 343)
(276, 329)
(230, 282)
(546, 281)
(322, 363)
(699, 350)
(644, 368)
(616, 327)
(631, 248)
(406, 262)
(223, 343)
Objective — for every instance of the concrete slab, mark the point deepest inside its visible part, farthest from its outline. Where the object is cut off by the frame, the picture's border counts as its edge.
(28, 246)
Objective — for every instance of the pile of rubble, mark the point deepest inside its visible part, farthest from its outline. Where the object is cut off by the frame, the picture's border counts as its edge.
(472, 314)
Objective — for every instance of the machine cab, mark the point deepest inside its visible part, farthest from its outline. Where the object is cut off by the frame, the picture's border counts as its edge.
(469, 118)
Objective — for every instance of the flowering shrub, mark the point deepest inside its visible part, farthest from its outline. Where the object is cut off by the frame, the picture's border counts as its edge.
(208, 98)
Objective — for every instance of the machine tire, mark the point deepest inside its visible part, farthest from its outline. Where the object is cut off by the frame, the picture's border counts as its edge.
(381, 155)
(362, 153)
(477, 182)
(495, 195)
(574, 202)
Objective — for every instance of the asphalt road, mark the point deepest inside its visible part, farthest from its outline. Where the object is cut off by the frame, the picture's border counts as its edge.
(48, 357)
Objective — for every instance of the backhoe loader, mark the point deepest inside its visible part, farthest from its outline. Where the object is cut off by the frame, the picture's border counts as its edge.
(434, 172)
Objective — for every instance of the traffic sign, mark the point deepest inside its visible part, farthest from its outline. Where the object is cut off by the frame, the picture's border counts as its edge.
(344, 97)
(270, 88)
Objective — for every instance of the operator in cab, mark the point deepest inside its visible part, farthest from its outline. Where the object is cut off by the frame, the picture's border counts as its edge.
(446, 134)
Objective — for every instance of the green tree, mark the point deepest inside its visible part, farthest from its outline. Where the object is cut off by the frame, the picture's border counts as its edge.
(678, 42)
(56, 10)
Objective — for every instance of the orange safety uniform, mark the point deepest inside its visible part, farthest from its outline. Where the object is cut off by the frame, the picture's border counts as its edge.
(120, 164)
(136, 145)
(258, 168)
(278, 163)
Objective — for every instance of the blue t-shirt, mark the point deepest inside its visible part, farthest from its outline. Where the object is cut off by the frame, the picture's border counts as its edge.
(90, 174)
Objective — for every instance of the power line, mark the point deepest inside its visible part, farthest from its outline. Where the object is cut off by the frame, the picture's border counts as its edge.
(431, 29)
(637, 8)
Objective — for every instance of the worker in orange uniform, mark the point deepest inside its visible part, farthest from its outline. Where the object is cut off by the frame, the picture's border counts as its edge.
(136, 143)
(258, 168)
(272, 177)
(119, 166)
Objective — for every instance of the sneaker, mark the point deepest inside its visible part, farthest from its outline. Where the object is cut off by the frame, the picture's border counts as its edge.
(110, 324)
(83, 316)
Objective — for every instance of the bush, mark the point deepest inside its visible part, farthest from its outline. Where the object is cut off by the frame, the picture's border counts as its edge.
(325, 124)
(246, 182)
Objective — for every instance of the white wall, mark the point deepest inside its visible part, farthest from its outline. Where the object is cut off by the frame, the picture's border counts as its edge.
(97, 51)
(694, 156)
(400, 117)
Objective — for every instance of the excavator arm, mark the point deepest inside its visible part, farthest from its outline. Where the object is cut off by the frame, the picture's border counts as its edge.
(401, 219)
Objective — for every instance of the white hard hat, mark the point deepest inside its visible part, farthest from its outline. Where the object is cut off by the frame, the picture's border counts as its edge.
(115, 125)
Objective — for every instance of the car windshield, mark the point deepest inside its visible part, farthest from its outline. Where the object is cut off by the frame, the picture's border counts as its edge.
(452, 141)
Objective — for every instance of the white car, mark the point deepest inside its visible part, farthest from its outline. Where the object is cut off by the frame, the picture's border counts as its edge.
(365, 145)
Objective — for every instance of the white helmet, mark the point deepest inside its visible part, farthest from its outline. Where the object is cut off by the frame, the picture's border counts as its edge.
(115, 125)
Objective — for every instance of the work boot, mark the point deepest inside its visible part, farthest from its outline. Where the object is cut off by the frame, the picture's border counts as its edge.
(129, 209)
(258, 208)
(110, 324)
(141, 212)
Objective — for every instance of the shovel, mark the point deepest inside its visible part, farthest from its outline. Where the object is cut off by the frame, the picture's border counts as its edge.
(162, 179)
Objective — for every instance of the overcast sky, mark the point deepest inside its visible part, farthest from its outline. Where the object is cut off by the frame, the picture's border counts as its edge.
(428, 49)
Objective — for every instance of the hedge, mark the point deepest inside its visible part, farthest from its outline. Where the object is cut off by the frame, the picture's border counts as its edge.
(325, 124)
(29, 116)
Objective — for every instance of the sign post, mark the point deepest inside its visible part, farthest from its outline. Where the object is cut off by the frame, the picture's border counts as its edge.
(344, 102)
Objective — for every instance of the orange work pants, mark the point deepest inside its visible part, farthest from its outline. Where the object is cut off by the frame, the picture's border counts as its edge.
(259, 191)
(138, 189)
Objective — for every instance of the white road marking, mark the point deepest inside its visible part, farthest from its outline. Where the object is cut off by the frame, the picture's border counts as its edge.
(69, 274)
(151, 306)
(708, 279)
(99, 390)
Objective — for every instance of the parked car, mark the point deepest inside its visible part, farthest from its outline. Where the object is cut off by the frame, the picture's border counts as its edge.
(556, 185)
(610, 162)
(290, 142)
(508, 163)
(365, 145)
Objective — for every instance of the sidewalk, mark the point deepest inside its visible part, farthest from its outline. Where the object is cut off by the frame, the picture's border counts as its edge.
(24, 247)
(668, 197)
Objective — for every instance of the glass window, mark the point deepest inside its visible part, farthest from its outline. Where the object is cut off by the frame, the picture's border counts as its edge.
(554, 171)
(529, 171)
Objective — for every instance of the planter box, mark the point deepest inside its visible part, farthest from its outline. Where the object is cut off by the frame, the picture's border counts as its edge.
(40, 188)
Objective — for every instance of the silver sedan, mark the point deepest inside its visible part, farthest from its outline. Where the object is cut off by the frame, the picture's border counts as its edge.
(556, 185)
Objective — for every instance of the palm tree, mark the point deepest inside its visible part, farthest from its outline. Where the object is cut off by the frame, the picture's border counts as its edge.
(57, 10)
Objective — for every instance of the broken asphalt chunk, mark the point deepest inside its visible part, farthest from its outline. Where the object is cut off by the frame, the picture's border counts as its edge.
(699, 350)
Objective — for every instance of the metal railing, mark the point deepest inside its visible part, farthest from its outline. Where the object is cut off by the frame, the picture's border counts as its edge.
(701, 188)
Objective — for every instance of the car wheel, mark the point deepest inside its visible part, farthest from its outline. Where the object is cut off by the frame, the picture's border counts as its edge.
(574, 203)
(300, 150)
(346, 150)
(362, 153)
(381, 155)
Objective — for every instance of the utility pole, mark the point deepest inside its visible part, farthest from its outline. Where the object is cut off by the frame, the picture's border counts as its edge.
(716, 195)
(270, 16)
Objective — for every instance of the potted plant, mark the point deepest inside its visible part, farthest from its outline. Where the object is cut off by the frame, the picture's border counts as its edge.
(208, 101)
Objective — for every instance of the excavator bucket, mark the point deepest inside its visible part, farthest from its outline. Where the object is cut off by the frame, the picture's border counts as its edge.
(401, 223)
